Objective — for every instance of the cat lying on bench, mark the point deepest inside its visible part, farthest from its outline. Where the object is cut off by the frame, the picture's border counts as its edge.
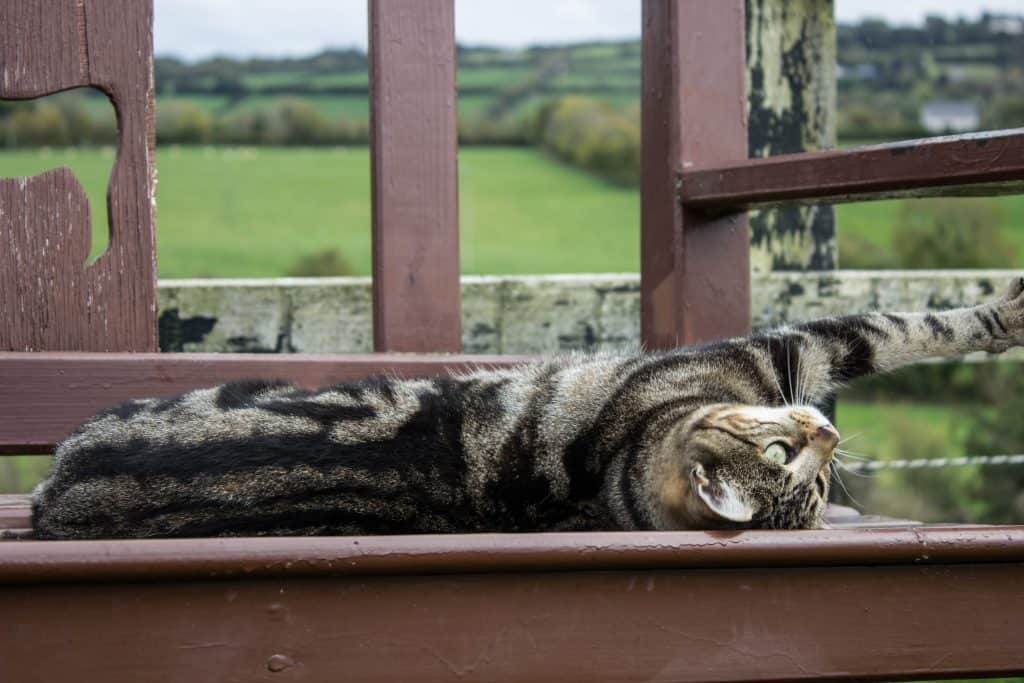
(726, 435)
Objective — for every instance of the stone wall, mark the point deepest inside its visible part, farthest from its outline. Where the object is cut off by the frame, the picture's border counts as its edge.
(521, 315)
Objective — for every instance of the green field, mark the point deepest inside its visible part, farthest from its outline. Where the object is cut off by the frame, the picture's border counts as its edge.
(875, 220)
(253, 212)
(871, 429)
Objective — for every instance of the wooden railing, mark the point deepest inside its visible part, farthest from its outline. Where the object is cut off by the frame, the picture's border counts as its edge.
(900, 603)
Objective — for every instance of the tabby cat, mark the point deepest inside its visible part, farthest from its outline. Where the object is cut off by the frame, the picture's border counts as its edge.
(725, 435)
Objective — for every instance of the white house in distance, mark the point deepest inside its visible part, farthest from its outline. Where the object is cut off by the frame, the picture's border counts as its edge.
(950, 117)
(1006, 23)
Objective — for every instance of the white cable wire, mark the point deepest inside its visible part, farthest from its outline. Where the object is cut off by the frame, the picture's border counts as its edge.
(920, 463)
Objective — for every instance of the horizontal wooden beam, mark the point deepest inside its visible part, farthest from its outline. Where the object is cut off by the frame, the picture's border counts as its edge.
(983, 163)
(43, 396)
(880, 622)
(327, 556)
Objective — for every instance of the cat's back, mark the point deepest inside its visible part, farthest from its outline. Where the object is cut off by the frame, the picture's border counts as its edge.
(249, 457)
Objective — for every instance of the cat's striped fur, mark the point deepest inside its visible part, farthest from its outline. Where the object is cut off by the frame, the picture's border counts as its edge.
(646, 441)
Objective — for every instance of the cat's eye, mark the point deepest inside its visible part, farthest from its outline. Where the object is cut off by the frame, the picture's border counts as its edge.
(779, 453)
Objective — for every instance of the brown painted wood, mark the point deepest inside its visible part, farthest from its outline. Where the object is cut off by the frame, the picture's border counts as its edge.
(15, 512)
(882, 623)
(983, 163)
(45, 395)
(415, 185)
(333, 556)
(695, 269)
(49, 299)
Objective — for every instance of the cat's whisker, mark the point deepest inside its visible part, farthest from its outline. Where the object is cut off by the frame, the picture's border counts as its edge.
(782, 394)
(855, 470)
(849, 438)
(800, 384)
(789, 371)
(835, 471)
(854, 454)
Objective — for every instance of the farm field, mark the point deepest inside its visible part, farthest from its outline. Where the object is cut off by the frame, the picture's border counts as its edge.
(253, 212)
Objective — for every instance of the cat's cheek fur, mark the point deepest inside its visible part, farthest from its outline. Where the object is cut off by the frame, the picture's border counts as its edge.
(689, 500)
(722, 498)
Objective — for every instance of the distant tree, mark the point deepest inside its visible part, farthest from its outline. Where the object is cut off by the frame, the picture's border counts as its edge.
(1007, 112)
(323, 263)
(857, 252)
(183, 123)
(41, 123)
(938, 31)
(593, 135)
(999, 430)
(951, 233)
(298, 122)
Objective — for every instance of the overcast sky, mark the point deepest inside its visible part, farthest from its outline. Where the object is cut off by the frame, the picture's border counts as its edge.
(200, 28)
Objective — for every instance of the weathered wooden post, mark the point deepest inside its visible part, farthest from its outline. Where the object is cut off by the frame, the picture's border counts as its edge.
(791, 99)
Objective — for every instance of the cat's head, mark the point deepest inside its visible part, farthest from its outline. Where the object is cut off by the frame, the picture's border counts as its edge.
(735, 466)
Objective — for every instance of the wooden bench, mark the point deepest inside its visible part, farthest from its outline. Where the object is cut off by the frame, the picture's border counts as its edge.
(868, 599)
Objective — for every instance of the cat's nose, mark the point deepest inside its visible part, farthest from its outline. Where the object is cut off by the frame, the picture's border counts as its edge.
(827, 436)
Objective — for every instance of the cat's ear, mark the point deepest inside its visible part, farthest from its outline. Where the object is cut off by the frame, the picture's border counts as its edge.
(721, 497)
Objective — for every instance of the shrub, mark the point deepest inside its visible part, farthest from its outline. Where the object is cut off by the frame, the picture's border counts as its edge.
(948, 494)
(298, 122)
(860, 253)
(40, 123)
(996, 430)
(183, 123)
(951, 233)
(323, 263)
(1007, 112)
(592, 135)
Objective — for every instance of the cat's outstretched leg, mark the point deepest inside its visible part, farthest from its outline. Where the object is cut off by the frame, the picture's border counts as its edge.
(823, 354)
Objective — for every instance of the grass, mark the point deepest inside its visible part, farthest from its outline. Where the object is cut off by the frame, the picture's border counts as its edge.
(252, 212)
(875, 221)
(871, 427)
(20, 473)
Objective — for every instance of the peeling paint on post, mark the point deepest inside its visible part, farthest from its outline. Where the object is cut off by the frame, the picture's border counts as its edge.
(791, 86)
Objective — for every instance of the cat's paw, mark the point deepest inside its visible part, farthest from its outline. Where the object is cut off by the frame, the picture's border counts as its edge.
(1008, 316)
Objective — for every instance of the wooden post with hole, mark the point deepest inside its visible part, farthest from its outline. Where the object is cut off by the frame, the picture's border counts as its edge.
(49, 299)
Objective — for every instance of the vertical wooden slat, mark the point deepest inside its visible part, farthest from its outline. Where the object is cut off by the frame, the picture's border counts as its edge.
(695, 269)
(415, 193)
(49, 299)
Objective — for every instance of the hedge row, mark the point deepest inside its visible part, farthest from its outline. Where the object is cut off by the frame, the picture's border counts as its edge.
(588, 133)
